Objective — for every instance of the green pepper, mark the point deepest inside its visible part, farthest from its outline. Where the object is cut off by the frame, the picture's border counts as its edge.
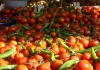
(7, 67)
(94, 56)
(80, 23)
(48, 41)
(24, 48)
(88, 50)
(8, 53)
(69, 8)
(83, 11)
(32, 51)
(39, 13)
(70, 34)
(73, 21)
(52, 57)
(90, 19)
(68, 48)
(52, 21)
(68, 64)
(44, 27)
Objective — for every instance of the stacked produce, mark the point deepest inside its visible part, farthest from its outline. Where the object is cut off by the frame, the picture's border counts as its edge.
(52, 39)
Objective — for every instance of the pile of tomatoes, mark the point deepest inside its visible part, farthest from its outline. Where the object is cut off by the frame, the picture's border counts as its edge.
(38, 43)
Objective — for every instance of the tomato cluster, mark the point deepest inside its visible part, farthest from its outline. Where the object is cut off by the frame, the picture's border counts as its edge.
(58, 39)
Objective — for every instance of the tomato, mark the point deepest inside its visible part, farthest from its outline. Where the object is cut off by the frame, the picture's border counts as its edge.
(13, 37)
(22, 60)
(19, 18)
(67, 19)
(40, 19)
(61, 49)
(72, 16)
(63, 56)
(97, 66)
(2, 44)
(38, 27)
(12, 28)
(3, 39)
(93, 43)
(58, 63)
(83, 65)
(32, 14)
(38, 35)
(44, 66)
(84, 42)
(56, 25)
(61, 20)
(86, 56)
(53, 34)
(63, 14)
(27, 32)
(21, 39)
(24, 20)
(32, 21)
(7, 11)
(48, 16)
(21, 67)
(17, 56)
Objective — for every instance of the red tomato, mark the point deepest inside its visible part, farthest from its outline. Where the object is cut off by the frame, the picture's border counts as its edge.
(93, 43)
(83, 65)
(97, 66)
(21, 67)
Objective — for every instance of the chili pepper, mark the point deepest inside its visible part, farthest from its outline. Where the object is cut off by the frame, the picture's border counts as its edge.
(90, 19)
(7, 67)
(83, 11)
(48, 41)
(94, 56)
(11, 34)
(52, 21)
(69, 8)
(52, 57)
(68, 64)
(8, 53)
(47, 31)
(70, 34)
(80, 23)
(39, 13)
(47, 36)
(66, 47)
(73, 21)
(32, 51)
(88, 50)
(24, 48)
(44, 27)
(91, 28)
(25, 27)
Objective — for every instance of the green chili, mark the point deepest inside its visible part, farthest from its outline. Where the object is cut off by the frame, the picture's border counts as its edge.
(52, 21)
(7, 67)
(52, 57)
(39, 13)
(73, 21)
(80, 23)
(44, 27)
(26, 27)
(66, 47)
(83, 11)
(8, 53)
(69, 8)
(48, 41)
(68, 64)
(32, 51)
(70, 34)
(94, 56)
(24, 48)
(90, 19)
(89, 49)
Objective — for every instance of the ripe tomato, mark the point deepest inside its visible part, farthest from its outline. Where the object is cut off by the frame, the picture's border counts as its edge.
(93, 43)
(32, 21)
(7, 11)
(83, 65)
(61, 20)
(21, 67)
(58, 63)
(86, 56)
(24, 20)
(38, 27)
(97, 66)
(84, 42)
(2, 44)
(38, 35)
(53, 34)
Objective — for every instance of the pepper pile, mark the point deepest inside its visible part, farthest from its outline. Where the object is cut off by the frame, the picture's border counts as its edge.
(58, 39)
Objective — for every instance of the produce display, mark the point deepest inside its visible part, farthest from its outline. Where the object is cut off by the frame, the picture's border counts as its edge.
(53, 39)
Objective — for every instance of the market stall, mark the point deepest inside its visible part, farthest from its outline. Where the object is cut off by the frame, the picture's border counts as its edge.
(50, 35)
